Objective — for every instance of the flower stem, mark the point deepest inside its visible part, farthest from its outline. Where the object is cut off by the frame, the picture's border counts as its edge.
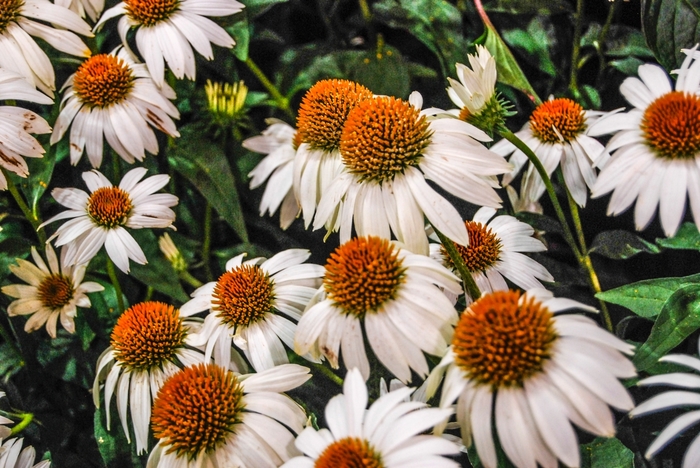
(35, 221)
(367, 17)
(282, 102)
(576, 48)
(26, 420)
(206, 243)
(187, 277)
(329, 374)
(115, 283)
(470, 287)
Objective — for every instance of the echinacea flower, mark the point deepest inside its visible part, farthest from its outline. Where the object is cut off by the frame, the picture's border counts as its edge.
(17, 123)
(112, 95)
(494, 253)
(322, 114)
(674, 399)
(53, 292)
(251, 305)
(516, 367)
(18, 51)
(387, 435)
(656, 146)
(389, 149)
(169, 29)
(207, 416)
(559, 133)
(391, 293)
(12, 455)
(147, 347)
(279, 141)
(476, 85)
(100, 218)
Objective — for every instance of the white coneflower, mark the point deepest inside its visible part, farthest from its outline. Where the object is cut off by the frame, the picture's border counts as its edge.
(476, 85)
(12, 455)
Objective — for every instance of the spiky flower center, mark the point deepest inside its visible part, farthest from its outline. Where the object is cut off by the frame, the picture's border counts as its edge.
(55, 291)
(382, 138)
(196, 409)
(323, 111)
(103, 80)
(109, 206)
(671, 125)
(483, 251)
(363, 274)
(503, 339)
(558, 119)
(9, 10)
(243, 295)
(349, 452)
(147, 335)
(150, 12)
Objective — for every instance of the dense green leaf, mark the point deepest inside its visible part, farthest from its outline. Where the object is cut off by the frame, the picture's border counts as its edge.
(536, 42)
(204, 164)
(112, 444)
(255, 8)
(528, 7)
(241, 32)
(11, 361)
(621, 41)
(647, 298)
(83, 331)
(619, 244)
(687, 238)
(606, 453)
(40, 171)
(59, 357)
(669, 26)
(627, 65)
(679, 318)
(384, 72)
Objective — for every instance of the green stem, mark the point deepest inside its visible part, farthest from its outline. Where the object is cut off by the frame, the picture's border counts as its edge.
(470, 287)
(149, 294)
(329, 374)
(367, 16)
(35, 221)
(282, 102)
(116, 167)
(26, 420)
(189, 279)
(603, 37)
(576, 48)
(115, 283)
(206, 243)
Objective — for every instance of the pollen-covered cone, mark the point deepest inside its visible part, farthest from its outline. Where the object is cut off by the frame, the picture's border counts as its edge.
(389, 148)
(656, 159)
(207, 416)
(387, 435)
(518, 367)
(112, 97)
(394, 295)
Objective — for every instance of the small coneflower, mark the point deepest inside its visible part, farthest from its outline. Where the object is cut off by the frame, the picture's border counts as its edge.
(393, 294)
(205, 415)
(112, 97)
(100, 218)
(53, 292)
(169, 29)
(147, 347)
(516, 367)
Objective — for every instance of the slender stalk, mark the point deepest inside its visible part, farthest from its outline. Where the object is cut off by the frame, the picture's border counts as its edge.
(35, 221)
(115, 283)
(149, 294)
(367, 16)
(329, 374)
(116, 166)
(468, 283)
(576, 48)
(206, 243)
(603, 37)
(189, 279)
(26, 420)
(282, 102)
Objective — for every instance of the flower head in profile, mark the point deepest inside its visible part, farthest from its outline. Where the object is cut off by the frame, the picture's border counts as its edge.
(169, 29)
(322, 114)
(559, 134)
(52, 292)
(391, 293)
(389, 149)
(17, 123)
(279, 142)
(476, 85)
(494, 253)
(18, 51)
(251, 305)
(112, 97)
(11, 453)
(205, 415)
(387, 435)
(147, 347)
(100, 218)
(674, 399)
(656, 159)
(517, 367)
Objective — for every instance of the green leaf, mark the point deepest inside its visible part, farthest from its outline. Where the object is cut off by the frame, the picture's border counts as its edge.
(11, 361)
(627, 65)
(669, 26)
(528, 7)
(606, 453)
(383, 72)
(647, 298)
(687, 238)
(679, 318)
(255, 8)
(241, 32)
(113, 446)
(536, 42)
(204, 164)
(83, 330)
(619, 244)
(40, 172)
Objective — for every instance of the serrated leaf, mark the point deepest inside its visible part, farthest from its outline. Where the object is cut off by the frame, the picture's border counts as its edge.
(204, 164)
(647, 298)
(606, 453)
(669, 26)
(687, 238)
(527, 7)
(679, 318)
(620, 244)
